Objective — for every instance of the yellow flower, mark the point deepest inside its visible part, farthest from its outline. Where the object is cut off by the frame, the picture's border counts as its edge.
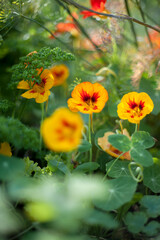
(135, 106)
(60, 74)
(5, 149)
(62, 131)
(107, 147)
(38, 91)
(88, 98)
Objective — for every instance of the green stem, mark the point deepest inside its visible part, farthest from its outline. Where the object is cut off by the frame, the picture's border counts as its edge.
(139, 177)
(112, 165)
(143, 17)
(42, 118)
(131, 23)
(90, 137)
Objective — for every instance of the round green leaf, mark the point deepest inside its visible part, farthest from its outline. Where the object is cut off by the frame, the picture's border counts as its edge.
(142, 139)
(119, 191)
(142, 156)
(152, 205)
(11, 167)
(119, 169)
(152, 228)
(120, 141)
(135, 221)
(152, 178)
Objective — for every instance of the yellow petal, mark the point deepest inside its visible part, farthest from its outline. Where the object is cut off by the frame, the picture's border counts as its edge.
(23, 85)
(5, 149)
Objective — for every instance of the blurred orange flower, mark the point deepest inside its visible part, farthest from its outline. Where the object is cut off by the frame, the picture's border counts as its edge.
(135, 106)
(107, 147)
(88, 98)
(96, 5)
(68, 26)
(5, 149)
(62, 131)
(60, 74)
(39, 91)
(155, 38)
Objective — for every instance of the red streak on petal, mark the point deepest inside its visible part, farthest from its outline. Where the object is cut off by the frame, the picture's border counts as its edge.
(85, 96)
(141, 105)
(132, 116)
(95, 97)
(95, 107)
(132, 104)
(42, 93)
(85, 109)
(32, 91)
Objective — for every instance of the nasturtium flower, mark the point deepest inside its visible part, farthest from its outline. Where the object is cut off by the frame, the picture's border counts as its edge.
(107, 147)
(39, 91)
(96, 5)
(60, 74)
(135, 106)
(155, 38)
(62, 131)
(5, 149)
(88, 98)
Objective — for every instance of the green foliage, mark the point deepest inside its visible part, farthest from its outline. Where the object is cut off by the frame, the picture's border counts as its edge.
(87, 167)
(25, 137)
(152, 205)
(55, 163)
(10, 168)
(135, 221)
(152, 178)
(142, 139)
(84, 146)
(118, 169)
(119, 192)
(142, 156)
(6, 105)
(120, 141)
(152, 228)
(31, 168)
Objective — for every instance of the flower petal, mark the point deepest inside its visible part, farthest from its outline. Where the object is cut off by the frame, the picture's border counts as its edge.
(23, 85)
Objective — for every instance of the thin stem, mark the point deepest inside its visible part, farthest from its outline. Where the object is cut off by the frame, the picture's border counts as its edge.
(143, 17)
(131, 23)
(42, 118)
(139, 178)
(112, 165)
(90, 137)
(136, 127)
(120, 16)
(21, 233)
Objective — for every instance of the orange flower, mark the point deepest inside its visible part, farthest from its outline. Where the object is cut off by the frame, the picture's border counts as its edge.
(38, 91)
(62, 131)
(155, 38)
(88, 98)
(107, 147)
(96, 5)
(60, 74)
(67, 26)
(135, 106)
(5, 149)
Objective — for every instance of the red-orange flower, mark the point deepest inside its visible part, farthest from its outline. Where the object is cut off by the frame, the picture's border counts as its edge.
(68, 26)
(96, 5)
(88, 98)
(135, 106)
(60, 74)
(155, 38)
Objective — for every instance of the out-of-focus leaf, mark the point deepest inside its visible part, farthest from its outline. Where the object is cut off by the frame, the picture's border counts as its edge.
(152, 205)
(11, 167)
(87, 167)
(135, 221)
(152, 178)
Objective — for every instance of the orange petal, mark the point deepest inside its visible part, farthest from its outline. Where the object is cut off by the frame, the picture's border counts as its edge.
(23, 85)
(30, 94)
(43, 96)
